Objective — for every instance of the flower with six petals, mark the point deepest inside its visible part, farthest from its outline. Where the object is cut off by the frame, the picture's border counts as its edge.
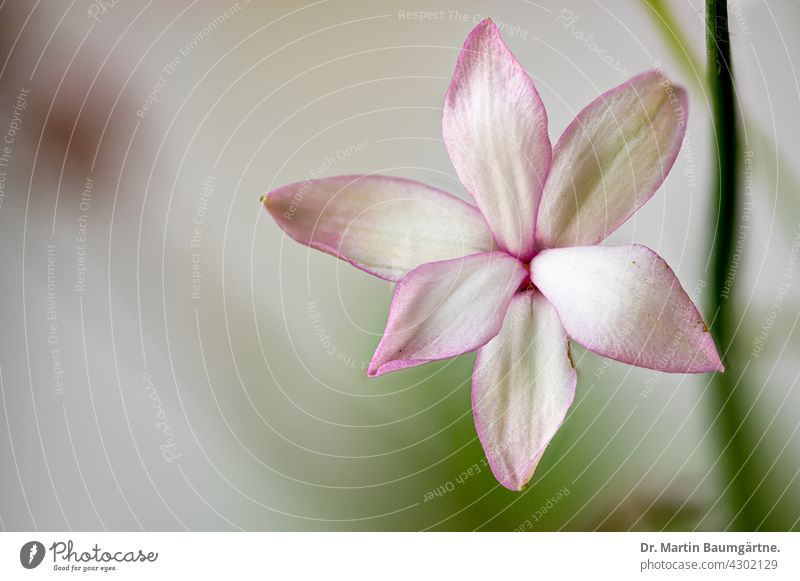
(521, 274)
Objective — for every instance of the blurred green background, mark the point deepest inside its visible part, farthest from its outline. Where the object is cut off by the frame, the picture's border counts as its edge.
(206, 372)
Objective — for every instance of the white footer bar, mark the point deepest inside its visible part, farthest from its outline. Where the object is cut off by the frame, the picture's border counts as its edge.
(407, 556)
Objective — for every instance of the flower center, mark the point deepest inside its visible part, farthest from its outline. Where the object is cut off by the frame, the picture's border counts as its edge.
(527, 282)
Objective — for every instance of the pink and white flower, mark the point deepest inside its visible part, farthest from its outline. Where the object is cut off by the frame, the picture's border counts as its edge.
(521, 274)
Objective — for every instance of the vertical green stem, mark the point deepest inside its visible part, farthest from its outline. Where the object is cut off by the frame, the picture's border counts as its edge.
(734, 429)
(770, 155)
(726, 135)
(731, 422)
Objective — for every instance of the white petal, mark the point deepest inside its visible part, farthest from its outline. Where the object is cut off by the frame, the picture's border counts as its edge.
(522, 387)
(495, 129)
(383, 225)
(624, 302)
(610, 160)
(443, 309)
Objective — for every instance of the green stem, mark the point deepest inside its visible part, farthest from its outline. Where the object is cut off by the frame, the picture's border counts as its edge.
(770, 155)
(731, 422)
(726, 136)
(734, 425)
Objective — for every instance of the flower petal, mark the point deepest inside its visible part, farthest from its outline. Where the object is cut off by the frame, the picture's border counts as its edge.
(610, 160)
(495, 129)
(522, 387)
(383, 225)
(443, 309)
(624, 302)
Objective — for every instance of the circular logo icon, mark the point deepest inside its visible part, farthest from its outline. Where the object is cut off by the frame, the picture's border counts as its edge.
(31, 554)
